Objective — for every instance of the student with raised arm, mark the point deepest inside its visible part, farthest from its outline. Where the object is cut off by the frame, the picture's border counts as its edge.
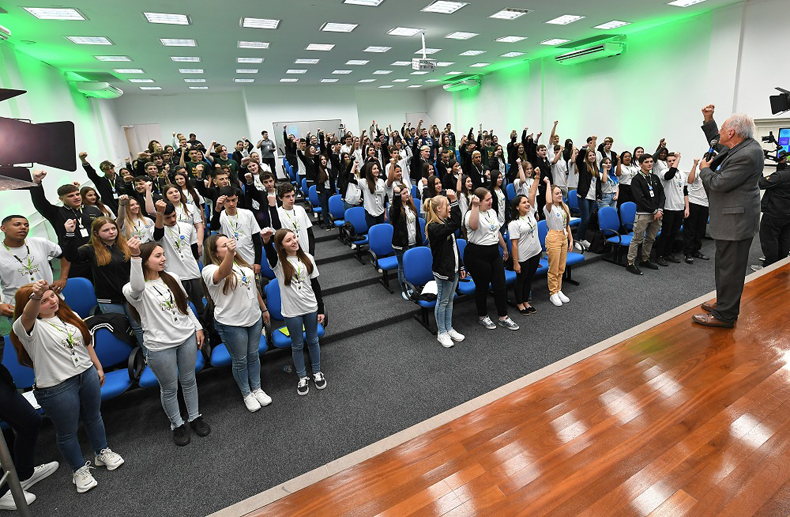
(109, 186)
(131, 220)
(50, 338)
(484, 261)
(406, 232)
(91, 198)
(464, 191)
(173, 335)
(558, 241)
(185, 213)
(374, 191)
(443, 220)
(294, 217)
(240, 225)
(523, 234)
(239, 314)
(302, 304)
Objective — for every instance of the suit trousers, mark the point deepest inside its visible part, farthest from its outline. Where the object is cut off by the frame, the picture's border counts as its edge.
(732, 259)
(670, 227)
(694, 228)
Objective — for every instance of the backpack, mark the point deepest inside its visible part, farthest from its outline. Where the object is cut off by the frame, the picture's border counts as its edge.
(347, 234)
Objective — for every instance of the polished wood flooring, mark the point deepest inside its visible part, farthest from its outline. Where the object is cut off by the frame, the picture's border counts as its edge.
(679, 420)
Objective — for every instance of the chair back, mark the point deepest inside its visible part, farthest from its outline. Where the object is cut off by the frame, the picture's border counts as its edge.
(273, 300)
(628, 214)
(80, 296)
(414, 195)
(543, 230)
(380, 238)
(608, 220)
(110, 350)
(417, 264)
(356, 216)
(461, 247)
(511, 191)
(23, 376)
(304, 186)
(573, 201)
(422, 231)
(417, 204)
(336, 208)
(313, 195)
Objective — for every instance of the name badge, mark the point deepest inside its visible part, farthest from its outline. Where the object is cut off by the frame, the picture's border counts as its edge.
(652, 194)
(75, 359)
(84, 232)
(115, 195)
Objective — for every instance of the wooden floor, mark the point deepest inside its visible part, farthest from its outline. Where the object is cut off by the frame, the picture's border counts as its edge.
(679, 420)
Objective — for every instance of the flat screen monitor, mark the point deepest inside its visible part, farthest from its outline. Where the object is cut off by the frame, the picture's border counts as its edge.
(784, 139)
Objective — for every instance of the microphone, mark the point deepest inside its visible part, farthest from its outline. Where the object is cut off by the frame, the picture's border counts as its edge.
(713, 144)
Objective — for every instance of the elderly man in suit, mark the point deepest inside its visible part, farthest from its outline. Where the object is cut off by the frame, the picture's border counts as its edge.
(731, 181)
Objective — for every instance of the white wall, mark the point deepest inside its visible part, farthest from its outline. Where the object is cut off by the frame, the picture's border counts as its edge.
(388, 107)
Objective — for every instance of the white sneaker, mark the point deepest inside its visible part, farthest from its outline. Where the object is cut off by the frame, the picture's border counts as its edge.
(586, 244)
(555, 300)
(445, 340)
(7, 501)
(262, 398)
(563, 298)
(83, 478)
(252, 403)
(455, 335)
(578, 245)
(109, 459)
(39, 473)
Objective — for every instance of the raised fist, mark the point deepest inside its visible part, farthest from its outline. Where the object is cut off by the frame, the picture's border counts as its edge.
(38, 176)
(451, 196)
(83, 155)
(221, 200)
(70, 225)
(160, 207)
(134, 246)
(123, 200)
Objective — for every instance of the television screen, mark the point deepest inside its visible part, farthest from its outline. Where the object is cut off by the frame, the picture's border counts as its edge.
(784, 139)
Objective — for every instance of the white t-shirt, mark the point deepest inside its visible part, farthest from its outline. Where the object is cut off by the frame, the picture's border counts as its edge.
(373, 202)
(591, 192)
(353, 195)
(177, 243)
(673, 190)
(525, 229)
(556, 219)
(187, 197)
(411, 225)
(239, 307)
(573, 175)
(25, 265)
(487, 232)
(697, 194)
(56, 357)
(559, 173)
(522, 188)
(241, 227)
(298, 298)
(143, 229)
(297, 221)
(164, 326)
(627, 173)
(610, 187)
(191, 215)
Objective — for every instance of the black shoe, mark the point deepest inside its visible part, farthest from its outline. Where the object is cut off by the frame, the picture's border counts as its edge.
(661, 262)
(200, 426)
(648, 265)
(181, 435)
(689, 259)
(632, 268)
(672, 258)
(700, 256)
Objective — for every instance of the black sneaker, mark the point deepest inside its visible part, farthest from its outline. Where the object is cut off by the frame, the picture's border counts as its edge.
(200, 426)
(648, 265)
(689, 259)
(632, 268)
(700, 256)
(661, 262)
(319, 380)
(181, 435)
(303, 388)
(672, 258)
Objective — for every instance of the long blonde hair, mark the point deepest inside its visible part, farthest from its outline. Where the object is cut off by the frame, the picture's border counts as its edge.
(130, 218)
(282, 256)
(103, 256)
(431, 205)
(563, 206)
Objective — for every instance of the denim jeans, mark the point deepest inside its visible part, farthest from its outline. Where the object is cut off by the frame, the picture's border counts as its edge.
(310, 323)
(401, 277)
(171, 366)
(118, 308)
(586, 207)
(76, 398)
(443, 311)
(607, 200)
(25, 422)
(323, 200)
(242, 344)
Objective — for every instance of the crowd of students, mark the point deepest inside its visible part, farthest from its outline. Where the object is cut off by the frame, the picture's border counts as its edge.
(184, 223)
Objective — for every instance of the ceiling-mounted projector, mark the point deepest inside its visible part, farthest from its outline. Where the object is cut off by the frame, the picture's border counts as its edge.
(463, 84)
(423, 65)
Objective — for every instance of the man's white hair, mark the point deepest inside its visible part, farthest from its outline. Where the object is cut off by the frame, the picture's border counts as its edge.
(742, 124)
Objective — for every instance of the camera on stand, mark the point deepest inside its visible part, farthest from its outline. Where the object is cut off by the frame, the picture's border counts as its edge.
(778, 153)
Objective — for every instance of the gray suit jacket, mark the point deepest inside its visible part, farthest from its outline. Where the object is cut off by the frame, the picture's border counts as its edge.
(733, 192)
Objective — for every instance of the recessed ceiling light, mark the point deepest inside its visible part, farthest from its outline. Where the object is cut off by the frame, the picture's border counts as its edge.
(367, 80)
(190, 70)
(295, 71)
(89, 40)
(479, 65)
(382, 72)
(512, 54)
(357, 62)
(444, 7)
(44, 13)
(419, 73)
(259, 23)
(194, 80)
(306, 61)
(113, 58)
(249, 60)
(453, 73)
(289, 80)
(246, 70)
(685, 3)
(472, 53)
(432, 81)
(371, 3)
(429, 51)
(184, 59)
(614, 24)
(511, 39)
(511, 13)
(445, 63)
(128, 70)
(565, 19)
(170, 19)
(555, 41)
(461, 35)
(400, 80)
(385, 86)
(323, 47)
(178, 42)
(338, 27)
(198, 87)
(253, 44)
(237, 80)
(415, 86)
(328, 80)
(342, 72)
(401, 63)
(377, 49)
(403, 31)
(141, 80)
(150, 87)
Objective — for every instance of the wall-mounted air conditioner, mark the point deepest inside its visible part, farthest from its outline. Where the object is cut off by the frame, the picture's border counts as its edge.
(4, 33)
(100, 90)
(591, 53)
(462, 84)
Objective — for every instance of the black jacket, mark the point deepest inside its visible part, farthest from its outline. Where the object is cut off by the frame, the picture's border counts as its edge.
(776, 200)
(108, 279)
(441, 237)
(108, 190)
(585, 179)
(640, 189)
(400, 230)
